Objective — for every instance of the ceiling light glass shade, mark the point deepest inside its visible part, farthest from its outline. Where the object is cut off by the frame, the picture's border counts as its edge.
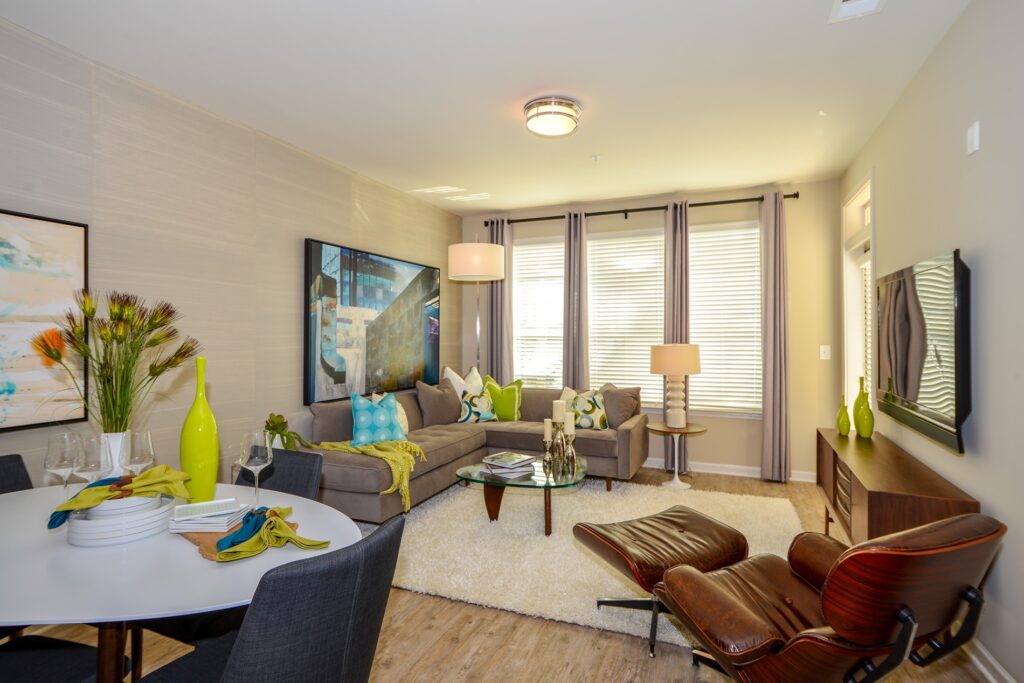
(476, 262)
(675, 360)
(551, 116)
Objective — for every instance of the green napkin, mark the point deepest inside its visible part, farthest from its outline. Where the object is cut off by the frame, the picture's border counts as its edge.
(274, 533)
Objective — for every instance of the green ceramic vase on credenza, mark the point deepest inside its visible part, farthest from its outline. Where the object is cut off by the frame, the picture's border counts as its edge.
(843, 417)
(200, 446)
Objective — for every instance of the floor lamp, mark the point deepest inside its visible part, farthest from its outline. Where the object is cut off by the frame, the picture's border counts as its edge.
(476, 262)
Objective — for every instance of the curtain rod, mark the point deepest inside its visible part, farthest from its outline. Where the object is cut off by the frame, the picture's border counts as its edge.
(720, 202)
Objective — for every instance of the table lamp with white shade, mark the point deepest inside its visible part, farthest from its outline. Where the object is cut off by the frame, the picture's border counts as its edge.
(476, 262)
(676, 362)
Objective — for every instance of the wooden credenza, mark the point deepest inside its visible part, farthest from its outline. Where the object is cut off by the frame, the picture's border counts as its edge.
(872, 487)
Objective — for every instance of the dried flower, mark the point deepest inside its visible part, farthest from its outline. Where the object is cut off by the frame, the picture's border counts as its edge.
(85, 303)
(49, 344)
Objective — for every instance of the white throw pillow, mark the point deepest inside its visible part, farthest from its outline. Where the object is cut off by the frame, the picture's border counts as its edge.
(472, 383)
(403, 419)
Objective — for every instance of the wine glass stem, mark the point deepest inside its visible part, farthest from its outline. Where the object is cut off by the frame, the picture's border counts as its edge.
(256, 480)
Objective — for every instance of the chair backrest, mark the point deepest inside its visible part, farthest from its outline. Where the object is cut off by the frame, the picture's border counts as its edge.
(13, 474)
(294, 472)
(928, 568)
(319, 619)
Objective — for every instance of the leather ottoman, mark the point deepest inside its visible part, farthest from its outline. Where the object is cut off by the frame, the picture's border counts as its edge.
(644, 549)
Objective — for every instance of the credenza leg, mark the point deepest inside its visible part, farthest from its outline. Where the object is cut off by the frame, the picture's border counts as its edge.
(827, 520)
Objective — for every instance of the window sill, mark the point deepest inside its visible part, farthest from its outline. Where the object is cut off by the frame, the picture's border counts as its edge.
(732, 415)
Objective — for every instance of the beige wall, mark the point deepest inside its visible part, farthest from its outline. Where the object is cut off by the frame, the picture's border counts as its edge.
(203, 212)
(931, 198)
(813, 260)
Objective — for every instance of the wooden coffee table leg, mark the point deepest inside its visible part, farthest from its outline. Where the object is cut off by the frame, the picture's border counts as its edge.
(547, 512)
(110, 654)
(492, 499)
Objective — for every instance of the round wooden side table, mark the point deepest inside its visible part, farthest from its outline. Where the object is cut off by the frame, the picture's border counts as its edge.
(691, 429)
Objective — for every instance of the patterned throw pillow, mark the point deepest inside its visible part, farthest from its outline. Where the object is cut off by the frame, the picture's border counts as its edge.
(477, 408)
(375, 422)
(403, 419)
(472, 383)
(506, 400)
(588, 407)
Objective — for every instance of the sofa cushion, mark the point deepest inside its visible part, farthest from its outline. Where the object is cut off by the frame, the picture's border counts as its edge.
(537, 403)
(472, 382)
(477, 408)
(506, 400)
(375, 422)
(441, 444)
(440, 405)
(620, 403)
(515, 436)
(598, 443)
(586, 407)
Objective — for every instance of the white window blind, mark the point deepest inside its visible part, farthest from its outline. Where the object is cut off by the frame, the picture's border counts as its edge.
(725, 317)
(867, 288)
(537, 281)
(626, 309)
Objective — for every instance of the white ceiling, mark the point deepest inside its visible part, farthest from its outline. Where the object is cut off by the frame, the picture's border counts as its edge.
(676, 94)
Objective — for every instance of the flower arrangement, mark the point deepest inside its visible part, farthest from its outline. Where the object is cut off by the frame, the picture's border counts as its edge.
(277, 426)
(121, 352)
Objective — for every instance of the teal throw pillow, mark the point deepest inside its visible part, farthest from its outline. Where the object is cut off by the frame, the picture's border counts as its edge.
(477, 408)
(375, 422)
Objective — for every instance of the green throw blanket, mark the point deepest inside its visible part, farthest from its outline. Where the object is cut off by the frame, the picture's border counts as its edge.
(399, 455)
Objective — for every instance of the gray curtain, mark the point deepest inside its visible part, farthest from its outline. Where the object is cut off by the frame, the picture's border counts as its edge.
(677, 291)
(775, 460)
(902, 336)
(499, 306)
(575, 360)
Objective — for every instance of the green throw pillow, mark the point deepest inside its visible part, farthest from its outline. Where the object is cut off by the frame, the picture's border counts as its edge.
(506, 400)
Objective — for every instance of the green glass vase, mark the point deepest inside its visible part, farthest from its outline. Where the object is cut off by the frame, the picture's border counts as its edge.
(200, 446)
(861, 400)
(864, 419)
(843, 417)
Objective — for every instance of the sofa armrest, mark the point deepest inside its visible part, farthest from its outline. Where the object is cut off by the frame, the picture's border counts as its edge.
(812, 555)
(724, 624)
(632, 448)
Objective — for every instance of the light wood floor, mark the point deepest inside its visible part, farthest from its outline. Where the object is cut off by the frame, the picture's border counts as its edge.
(425, 638)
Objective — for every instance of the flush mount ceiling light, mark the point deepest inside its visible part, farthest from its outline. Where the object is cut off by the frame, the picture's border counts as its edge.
(854, 9)
(552, 116)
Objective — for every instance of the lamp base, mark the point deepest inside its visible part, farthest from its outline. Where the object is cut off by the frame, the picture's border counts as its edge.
(675, 418)
(675, 403)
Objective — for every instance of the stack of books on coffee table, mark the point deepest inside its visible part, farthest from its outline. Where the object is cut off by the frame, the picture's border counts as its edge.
(509, 465)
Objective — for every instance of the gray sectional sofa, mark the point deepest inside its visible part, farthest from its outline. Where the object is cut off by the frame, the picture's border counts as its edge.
(352, 483)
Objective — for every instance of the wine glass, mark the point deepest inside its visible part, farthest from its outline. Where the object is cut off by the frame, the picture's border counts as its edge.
(61, 452)
(256, 454)
(93, 461)
(141, 454)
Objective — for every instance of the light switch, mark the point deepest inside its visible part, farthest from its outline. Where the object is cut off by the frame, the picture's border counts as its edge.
(825, 352)
(973, 137)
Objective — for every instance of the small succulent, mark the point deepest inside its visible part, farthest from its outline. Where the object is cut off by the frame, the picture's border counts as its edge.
(278, 426)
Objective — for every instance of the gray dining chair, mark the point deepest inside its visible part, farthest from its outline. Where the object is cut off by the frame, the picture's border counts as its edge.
(294, 472)
(13, 474)
(312, 620)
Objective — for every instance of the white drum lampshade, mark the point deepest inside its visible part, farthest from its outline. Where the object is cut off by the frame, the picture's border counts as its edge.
(476, 262)
(675, 362)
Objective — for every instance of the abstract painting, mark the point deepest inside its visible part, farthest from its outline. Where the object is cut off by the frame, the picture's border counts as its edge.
(42, 264)
(372, 323)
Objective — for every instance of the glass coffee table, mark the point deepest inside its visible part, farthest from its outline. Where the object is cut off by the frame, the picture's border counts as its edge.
(494, 487)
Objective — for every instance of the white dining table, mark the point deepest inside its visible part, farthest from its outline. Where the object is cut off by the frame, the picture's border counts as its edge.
(45, 580)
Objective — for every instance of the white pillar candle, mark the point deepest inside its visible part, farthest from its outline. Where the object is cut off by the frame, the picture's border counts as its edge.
(547, 429)
(558, 411)
(570, 427)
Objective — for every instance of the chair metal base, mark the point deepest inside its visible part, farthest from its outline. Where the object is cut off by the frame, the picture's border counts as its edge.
(652, 605)
(969, 626)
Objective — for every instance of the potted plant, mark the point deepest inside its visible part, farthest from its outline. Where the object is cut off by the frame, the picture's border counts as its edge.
(277, 426)
(123, 354)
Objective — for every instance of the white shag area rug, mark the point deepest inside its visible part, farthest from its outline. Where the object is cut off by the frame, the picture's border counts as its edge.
(452, 550)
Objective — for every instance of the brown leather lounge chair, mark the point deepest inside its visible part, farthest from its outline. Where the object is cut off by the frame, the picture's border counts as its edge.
(833, 613)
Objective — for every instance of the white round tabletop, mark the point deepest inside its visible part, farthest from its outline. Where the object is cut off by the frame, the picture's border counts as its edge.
(44, 580)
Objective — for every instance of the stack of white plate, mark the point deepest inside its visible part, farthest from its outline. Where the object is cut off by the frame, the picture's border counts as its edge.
(120, 521)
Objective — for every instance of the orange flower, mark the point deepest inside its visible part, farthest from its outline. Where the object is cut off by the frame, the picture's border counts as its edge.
(50, 346)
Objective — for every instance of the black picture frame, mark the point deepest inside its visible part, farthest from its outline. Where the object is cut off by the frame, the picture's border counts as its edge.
(9, 392)
(430, 288)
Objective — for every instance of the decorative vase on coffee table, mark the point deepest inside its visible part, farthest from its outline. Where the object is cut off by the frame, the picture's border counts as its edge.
(843, 417)
(200, 446)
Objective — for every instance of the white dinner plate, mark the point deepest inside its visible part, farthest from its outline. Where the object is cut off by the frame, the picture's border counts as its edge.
(123, 530)
(105, 509)
(162, 508)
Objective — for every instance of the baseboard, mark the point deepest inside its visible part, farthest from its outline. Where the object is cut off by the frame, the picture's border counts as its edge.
(654, 462)
(987, 665)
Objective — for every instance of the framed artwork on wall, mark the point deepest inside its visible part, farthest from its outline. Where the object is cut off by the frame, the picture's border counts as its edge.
(372, 323)
(43, 262)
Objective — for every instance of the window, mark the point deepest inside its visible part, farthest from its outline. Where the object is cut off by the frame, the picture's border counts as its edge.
(537, 278)
(867, 290)
(626, 309)
(725, 317)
